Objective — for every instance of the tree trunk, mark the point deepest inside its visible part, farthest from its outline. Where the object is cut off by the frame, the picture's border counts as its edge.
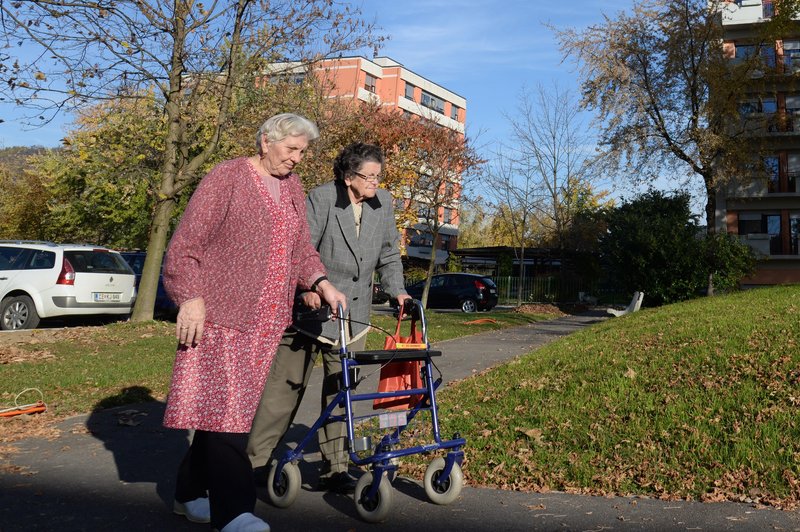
(157, 243)
(711, 229)
(431, 267)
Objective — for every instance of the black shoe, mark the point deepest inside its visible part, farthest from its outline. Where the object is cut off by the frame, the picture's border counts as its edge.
(341, 482)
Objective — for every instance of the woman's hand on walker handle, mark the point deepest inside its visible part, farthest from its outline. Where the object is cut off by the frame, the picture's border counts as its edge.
(332, 296)
(402, 299)
(311, 300)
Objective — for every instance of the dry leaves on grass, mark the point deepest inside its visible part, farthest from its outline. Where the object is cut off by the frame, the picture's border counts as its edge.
(31, 345)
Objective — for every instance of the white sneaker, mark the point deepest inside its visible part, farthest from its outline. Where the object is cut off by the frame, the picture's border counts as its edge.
(196, 511)
(246, 523)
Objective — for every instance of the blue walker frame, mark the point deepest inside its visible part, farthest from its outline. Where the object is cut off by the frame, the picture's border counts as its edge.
(381, 461)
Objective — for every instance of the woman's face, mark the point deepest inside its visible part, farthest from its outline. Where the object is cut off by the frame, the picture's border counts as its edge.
(280, 157)
(363, 184)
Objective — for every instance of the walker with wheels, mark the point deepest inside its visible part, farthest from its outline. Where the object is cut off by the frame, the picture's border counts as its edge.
(373, 495)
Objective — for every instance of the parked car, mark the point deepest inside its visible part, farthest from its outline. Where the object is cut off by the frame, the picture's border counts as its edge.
(45, 280)
(164, 307)
(466, 291)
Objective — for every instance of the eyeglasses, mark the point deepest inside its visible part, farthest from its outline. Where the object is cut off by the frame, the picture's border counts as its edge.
(373, 178)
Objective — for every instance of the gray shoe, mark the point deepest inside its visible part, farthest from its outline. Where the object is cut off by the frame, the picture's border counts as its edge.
(246, 522)
(196, 511)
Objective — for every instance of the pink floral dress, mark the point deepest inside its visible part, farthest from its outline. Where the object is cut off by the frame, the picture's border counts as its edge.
(216, 385)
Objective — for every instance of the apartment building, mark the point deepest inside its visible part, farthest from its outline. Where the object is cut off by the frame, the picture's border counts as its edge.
(385, 81)
(765, 213)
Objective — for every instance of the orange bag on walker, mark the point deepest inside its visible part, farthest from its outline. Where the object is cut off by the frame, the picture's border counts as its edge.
(404, 375)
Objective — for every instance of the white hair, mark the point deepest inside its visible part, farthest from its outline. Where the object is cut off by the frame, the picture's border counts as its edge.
(285, 125)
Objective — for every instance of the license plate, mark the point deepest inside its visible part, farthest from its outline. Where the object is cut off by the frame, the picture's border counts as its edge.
(106, 297)
(492, 291)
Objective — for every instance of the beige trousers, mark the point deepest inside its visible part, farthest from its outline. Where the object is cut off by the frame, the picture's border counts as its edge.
(283, 393)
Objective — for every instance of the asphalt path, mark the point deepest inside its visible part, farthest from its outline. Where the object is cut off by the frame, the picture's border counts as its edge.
(114, 470)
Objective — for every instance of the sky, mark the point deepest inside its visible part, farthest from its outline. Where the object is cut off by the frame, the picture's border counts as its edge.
(486, 52)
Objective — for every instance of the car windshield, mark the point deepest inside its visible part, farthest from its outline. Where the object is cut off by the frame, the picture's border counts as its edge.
(97, 261)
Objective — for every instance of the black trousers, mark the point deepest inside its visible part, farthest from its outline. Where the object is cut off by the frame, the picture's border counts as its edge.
(216, 466)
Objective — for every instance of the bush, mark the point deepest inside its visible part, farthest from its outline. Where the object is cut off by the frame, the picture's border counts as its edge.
(654, 244)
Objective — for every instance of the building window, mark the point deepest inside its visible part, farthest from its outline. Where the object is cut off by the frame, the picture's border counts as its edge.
(432, 102)
(791, 56)
(759, 105)
(747, 51)
(288, 77)
(447, 215)
(421, 240)
(794, 233)
(765, 228)
(792, 171)
(409, 91)
(370, 83)
(793, 112)
(454, 112)
(763, 112)
(767, 9)
(772, 223)
(427, 212)
(772, 169)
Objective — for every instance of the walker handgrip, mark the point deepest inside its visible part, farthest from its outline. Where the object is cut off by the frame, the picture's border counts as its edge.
(322, 313)
(342, 335)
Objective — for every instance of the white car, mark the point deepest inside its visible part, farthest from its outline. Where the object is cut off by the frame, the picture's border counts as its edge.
(45, 280)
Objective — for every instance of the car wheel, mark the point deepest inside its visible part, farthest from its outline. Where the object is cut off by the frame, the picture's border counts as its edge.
(469, 305)
(18, 313)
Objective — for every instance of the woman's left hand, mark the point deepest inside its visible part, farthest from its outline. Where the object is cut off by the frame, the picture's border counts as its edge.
(401, 302)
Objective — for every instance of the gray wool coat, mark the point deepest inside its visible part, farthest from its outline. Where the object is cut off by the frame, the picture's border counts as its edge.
(351, 260)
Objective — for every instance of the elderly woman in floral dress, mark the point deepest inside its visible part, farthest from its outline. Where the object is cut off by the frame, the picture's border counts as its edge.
(239, 252)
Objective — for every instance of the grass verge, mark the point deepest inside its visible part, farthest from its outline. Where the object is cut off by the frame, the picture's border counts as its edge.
(696, 400)
(81, 369)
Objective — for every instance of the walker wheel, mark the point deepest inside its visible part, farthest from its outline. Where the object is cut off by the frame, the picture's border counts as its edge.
(447, 491)
(283, 490)
(376, 509)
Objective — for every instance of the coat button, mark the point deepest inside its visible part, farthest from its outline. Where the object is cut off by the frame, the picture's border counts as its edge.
(355, 278)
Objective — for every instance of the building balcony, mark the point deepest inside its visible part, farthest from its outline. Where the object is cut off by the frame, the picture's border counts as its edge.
(744, 12)
(758, 242)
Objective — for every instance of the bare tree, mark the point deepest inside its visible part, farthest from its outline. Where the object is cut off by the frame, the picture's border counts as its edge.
(512, 188)
(538, 182)
(196, 56)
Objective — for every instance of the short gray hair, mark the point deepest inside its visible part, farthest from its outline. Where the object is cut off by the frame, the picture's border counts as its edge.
(285, 125)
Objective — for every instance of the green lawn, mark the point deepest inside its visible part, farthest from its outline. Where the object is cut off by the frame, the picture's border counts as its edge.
(125, 363)
(693, 400)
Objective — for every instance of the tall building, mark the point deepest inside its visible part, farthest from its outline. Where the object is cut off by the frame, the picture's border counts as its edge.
(389, 83)
(765, 213)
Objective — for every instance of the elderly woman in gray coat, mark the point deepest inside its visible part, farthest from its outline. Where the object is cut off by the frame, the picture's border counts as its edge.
(352, 225)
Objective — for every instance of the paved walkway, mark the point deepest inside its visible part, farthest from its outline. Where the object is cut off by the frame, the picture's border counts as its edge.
(106, 475)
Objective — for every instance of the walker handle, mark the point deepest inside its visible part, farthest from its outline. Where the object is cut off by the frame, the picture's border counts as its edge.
(342, 335)
(323, 313)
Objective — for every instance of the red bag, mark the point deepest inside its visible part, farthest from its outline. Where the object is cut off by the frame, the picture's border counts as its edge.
(404, 375)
